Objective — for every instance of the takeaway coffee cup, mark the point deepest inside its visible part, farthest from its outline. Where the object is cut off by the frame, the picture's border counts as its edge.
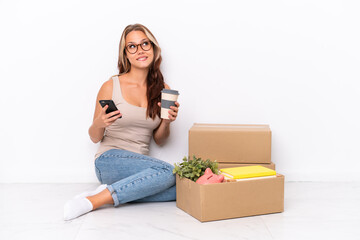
(168, 98)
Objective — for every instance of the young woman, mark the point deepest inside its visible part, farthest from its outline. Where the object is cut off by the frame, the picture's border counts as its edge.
(122, 163)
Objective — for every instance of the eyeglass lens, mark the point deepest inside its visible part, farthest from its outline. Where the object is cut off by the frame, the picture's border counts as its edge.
(132, 48)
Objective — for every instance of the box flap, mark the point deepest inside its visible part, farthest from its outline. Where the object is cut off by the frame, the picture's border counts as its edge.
(229, 127)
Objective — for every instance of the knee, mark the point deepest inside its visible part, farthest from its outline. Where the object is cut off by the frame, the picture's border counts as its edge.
(103, 174)
(167, 173)
(172, 178)
(98, 175)
(168, 169)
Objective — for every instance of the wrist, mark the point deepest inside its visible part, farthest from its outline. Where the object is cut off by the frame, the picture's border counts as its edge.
(166, 122)
(95, 125)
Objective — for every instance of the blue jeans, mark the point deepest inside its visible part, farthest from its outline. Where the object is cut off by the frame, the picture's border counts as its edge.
(133, 177)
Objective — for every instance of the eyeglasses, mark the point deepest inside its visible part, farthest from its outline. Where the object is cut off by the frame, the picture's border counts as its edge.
(132, 48)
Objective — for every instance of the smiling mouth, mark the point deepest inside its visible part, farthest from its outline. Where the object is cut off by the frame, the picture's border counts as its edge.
(142, 59)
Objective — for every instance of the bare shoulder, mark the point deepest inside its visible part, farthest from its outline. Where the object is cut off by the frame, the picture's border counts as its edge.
(166, 86)
(106, 89)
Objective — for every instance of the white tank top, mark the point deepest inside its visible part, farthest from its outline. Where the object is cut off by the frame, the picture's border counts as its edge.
(133, 131)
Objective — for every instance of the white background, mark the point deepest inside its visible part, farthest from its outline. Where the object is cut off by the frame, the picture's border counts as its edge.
(291, 64)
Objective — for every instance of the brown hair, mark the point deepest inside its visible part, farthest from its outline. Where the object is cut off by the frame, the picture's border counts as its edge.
(155, 79)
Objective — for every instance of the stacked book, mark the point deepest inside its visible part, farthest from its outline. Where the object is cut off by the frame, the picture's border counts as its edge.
(247, 173)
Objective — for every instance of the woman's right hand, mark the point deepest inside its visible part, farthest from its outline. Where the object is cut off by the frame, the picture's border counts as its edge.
(104, 120)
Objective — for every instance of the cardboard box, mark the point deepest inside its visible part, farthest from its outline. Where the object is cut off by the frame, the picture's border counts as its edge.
(231, 165)
(231, 143)
(230, 200)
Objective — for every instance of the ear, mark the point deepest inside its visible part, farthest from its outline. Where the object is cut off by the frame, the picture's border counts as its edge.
(208, 171)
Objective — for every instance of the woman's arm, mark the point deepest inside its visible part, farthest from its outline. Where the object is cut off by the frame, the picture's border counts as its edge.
(163, 131)
(101, 120)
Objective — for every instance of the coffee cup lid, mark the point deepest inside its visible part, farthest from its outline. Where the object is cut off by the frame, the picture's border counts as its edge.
(170, 91)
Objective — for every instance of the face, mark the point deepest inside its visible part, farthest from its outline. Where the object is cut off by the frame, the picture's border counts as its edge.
(141, 58)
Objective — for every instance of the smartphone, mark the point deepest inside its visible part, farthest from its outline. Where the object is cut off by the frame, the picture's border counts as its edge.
(111, 105)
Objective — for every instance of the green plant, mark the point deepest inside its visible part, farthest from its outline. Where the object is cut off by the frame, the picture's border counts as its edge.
(195, 168)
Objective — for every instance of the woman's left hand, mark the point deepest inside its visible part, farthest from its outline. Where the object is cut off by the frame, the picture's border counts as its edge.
(173, 112)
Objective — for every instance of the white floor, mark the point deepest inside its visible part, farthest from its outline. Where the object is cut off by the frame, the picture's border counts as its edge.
(312, 211)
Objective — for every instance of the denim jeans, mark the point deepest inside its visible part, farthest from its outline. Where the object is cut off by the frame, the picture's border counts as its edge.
(133, 177)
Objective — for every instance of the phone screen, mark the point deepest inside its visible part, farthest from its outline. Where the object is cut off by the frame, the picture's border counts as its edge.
(111, 105)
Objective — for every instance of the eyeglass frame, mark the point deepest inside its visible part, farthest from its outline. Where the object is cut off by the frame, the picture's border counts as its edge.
(137, 46)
